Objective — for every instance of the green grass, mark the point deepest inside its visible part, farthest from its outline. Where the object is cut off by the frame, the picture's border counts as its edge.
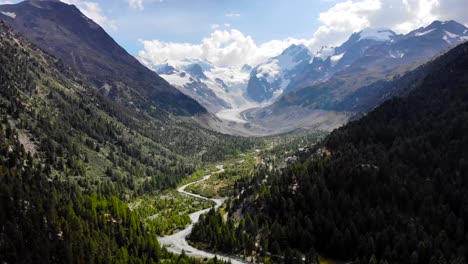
(168, 211)
(221, 184)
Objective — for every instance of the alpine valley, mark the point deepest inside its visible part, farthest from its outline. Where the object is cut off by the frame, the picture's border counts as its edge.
(315, 90)
(350, 154)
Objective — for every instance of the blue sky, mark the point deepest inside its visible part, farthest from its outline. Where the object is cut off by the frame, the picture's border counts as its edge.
(191, 20)
(231, 33)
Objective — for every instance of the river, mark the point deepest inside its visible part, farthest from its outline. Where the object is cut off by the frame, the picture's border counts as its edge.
(178, 241)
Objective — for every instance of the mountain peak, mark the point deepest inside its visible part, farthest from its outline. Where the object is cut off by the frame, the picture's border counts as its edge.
(451, 25)
(377, 34)
(38, 1)
(438, 23)
(441, 28)
(44, 3)
(294, 49)
(84, 46)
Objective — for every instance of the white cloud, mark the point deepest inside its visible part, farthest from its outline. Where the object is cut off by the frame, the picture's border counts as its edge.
(214, 26)
(5, 2)
(136, 4)
(232, 15)
(452, 9)
(93, 11)
(346, 17)
(343, 19)
(233, 48)
(223, 48)
(417, 13)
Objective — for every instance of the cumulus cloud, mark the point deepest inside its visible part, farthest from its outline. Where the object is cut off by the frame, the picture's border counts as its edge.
(233, 48)
(346, 17)
(343, 19)
(422, 12)
(224, 48)
(136, 4)
(93, 11)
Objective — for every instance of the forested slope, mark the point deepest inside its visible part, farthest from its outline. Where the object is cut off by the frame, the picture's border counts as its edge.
(95, 139)
(43, 220)
(391, 187)
(68, 157)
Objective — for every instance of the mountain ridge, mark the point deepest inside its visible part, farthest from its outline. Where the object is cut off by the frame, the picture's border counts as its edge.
(62, 30)
(366, 43)
(324, 89)
(359, 83)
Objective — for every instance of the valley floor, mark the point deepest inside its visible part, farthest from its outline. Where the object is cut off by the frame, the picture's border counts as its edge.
(174, 213)
(177, 242)
(257, 120)
(234, 115)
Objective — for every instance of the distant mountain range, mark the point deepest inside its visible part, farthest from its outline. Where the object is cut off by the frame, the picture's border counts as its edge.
(357, 76)
(296, 89)
(373, 53)
(367, 57)
(300, 88)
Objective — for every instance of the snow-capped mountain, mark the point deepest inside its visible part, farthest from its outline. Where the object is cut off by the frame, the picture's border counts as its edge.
(449, 31)
(296, 68)
(352, 49)
(214, 87)
(343, 79)
(355, 77)
(330, 60)
(368, 55)
(268, 80)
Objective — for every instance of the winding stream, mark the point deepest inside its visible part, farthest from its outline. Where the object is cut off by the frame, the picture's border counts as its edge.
(178, 241)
